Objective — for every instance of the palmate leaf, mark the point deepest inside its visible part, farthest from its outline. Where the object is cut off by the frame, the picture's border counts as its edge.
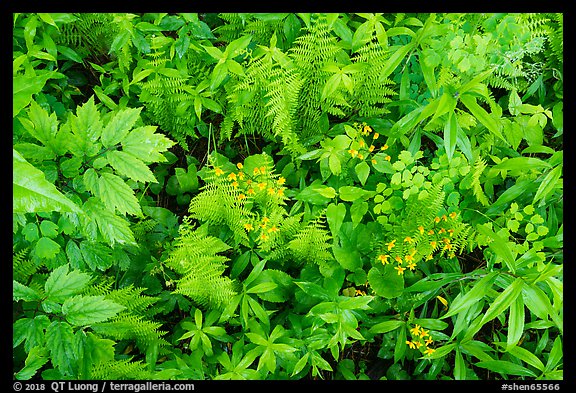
(86, 310)
(32, 193)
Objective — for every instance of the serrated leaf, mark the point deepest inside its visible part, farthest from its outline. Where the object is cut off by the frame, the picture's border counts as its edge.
(127, 165)
(30, 331)
(86, 310)
(60, 343)
(46, 248)
(37, 357)
(145, 144)
(119, 126)
(32, 193)
(63, 283)
(22, 292)
(24, 87)
(114, 229)
(117, 195)
(96, 255)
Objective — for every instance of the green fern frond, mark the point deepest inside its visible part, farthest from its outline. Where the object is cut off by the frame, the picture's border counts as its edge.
(479, 167)
(194, 258)
(90, 33)
(311, 244)
(22, 266)
(128, 326)
(125, 369)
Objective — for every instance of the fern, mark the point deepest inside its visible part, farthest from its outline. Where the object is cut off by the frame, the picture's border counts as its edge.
(23, 267)
(479, 167)
(128, 326)
(194, 259)
(90, 33)
(125, 369)
(311, 244)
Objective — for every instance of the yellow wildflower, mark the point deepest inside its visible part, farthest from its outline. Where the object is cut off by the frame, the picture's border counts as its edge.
(421, 229)
(436, 220)
(373, 161)
(360, 156)
(280, 191)
(442, 230)
(451, 232)
(400, 269)
(239, 165)
(371, 148)
(249, 181)
(448, 247)
(241, 175)
(376, 135)
(250, 191)
(359, 292)
(264, 236)
(433, 243)
(429, 257)
(232, 176)
(218, 171)
(409, 258)
(248, 227)
(391, 244)
(398, 259)
(408, 239)
(453, 215)
(262, 169)
(256, 171)
(241, 196)
(261, 186)
(235, 184)
(411, 266)
(271, 191)
(367, 129)
(385, 147)
(387, 158)
(415, 330)
(429, 340)
(429, 351)
(281, 181)
(411, 344)
(418, 344)
(353, 152)
(383, 258)
(273, 229)
(265, 220)
(431, 232)
(446, 240)
(444, 217)
(361, 143)
(424, 333)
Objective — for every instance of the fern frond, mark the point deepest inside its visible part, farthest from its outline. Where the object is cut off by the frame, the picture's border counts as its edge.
(22, 266)
(479, 167)
(125, 369)
(194, 258)
(311, 244)
(128, 326)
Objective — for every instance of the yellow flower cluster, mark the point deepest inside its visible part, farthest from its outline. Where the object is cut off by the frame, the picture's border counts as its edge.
(421, 339)
(250, 185)
(421, 245)
(361, 149)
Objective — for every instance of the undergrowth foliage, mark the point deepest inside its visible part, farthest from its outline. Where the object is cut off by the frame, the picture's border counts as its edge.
(287, 196)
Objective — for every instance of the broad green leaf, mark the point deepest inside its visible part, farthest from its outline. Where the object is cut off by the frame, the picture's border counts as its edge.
(114, 229)
(86, 310)
(351, 193)
(218, 75)
(522, 164)
(22, 292)
(49, 229)
(394, 60)
(450, 134)
(362, 171)
(505, 367)
(504, 300)
(117, 195)
(335, 214)
(24, 87)
(526, 356)
(386, 281)
(145, 144)
(37, 357)
(32, 193)
(463, 302)
(46, 248)
(127, 165)
(386, 326)
(314, 290)
(357, 211)
(537, 301)
(440, 351)
(96, 255)
(431, 323)
(556, 354)
(60, 343)
(515, 323)
(30, 331)
(262, 287)
(62, 283)
(331, 86)
(119, 126)
(480, 113)
(548, 184)
(499, 246)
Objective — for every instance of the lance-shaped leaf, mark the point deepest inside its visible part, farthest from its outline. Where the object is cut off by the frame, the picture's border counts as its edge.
(504, 300)
(86, 310)
(484, 117)
(463, 302)
(130, 166)
(499, 246)
(32, 193)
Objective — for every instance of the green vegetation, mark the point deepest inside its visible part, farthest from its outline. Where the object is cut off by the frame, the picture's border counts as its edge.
(288, 196)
